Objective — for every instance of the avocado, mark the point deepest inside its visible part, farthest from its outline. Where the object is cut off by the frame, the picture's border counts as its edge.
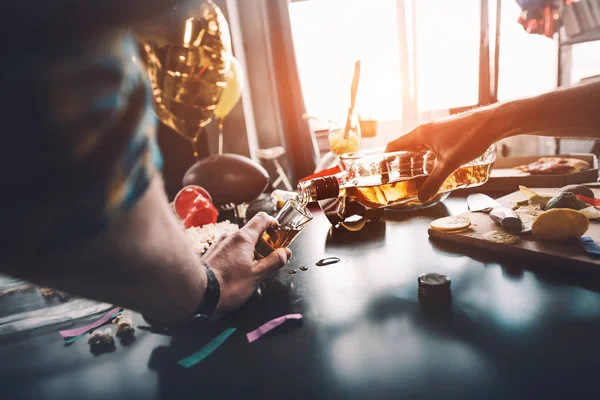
(579, 189)
(565, 200)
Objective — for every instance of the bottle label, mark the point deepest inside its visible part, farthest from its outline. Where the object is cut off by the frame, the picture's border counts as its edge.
(327, 187)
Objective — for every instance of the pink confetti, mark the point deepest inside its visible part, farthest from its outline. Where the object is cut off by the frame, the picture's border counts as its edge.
(272, 324)
(80, 331)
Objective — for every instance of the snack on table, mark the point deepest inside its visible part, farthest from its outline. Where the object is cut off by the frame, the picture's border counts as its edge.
(533, 199)
(579, 189)
(565, 200)
(528, 214)
(536, 204)
(102, 337)
(450, 224)
(47, 292)
(498, 237)
(124, 326)
(591, 213)
(555, 165)
(560, 224)
(202, 238)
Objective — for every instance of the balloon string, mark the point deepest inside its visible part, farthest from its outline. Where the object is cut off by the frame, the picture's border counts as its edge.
(220, 136)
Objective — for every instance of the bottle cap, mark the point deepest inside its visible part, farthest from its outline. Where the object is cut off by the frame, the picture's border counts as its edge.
(434, 289)
(327, 187)
(434, 281)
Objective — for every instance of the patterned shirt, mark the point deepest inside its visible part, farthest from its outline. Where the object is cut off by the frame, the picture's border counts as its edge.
(81, 147)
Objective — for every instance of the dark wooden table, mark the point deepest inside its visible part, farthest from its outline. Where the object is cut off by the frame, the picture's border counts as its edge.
(516, 330)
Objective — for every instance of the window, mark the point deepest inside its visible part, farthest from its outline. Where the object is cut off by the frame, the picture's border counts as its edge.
(585, 61)
(447, 50)
(441, 53)
(329, 36)
(528, 63)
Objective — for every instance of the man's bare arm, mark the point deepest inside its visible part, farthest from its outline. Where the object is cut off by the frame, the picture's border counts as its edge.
(143, 261)
(569, 112)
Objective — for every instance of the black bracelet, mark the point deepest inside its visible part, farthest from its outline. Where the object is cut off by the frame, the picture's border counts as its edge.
(211, 296)
(207, 307)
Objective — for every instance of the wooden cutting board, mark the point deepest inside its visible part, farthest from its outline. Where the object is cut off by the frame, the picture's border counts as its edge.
(568, 254)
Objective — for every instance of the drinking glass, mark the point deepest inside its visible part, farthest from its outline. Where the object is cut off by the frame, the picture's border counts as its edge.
(292, 218)
(341, 141)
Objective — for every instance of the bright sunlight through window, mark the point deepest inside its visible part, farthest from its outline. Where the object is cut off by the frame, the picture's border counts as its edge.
(329, 36)
(447, 50)
(528, 63)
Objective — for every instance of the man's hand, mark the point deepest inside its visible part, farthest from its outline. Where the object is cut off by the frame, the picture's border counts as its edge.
(567, 112)
(232, 259)
(455, 141)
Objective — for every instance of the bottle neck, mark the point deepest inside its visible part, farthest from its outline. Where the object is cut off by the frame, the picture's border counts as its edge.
(318, 189)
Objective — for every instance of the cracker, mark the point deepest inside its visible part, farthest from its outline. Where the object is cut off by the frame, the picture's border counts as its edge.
(450, 224)
(498, 237)
(528, 215)
(560, 224)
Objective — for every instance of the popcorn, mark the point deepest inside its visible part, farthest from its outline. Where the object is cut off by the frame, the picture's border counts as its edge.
(202, 238)
(124, 326)
(102, 338)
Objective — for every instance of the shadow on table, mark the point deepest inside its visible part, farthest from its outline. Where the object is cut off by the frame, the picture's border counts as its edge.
(372, 235)
(437, 211)
(542, 361)
(236, 369)
(545, 360)
(513, 268)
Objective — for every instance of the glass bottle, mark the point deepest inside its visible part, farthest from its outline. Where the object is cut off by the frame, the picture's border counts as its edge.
(393, 178)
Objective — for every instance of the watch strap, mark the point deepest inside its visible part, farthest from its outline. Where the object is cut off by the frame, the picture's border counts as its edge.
(206, 309)
(212, 293)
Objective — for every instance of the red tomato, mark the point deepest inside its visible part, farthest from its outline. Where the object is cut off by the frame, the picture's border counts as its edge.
(185, 198)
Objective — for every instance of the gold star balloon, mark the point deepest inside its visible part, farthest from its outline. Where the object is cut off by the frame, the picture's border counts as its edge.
(188, 54)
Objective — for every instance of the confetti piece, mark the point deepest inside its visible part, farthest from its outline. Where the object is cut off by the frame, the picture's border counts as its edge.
(76, 338)
(272, 324)
(205, 351)
(84, 329)
(588, 245)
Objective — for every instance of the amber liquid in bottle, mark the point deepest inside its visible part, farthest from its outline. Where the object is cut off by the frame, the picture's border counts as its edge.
(375, 193)
(390, 179)
(273, 239)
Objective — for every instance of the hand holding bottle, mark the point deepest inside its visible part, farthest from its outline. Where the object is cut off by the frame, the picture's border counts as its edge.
(232, 259)
(455, 140)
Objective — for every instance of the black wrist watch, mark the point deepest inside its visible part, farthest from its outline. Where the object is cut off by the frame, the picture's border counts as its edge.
(211, 296)
(206, 309)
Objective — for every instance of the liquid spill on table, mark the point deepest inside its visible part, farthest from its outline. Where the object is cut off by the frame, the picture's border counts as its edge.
(327, 261)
